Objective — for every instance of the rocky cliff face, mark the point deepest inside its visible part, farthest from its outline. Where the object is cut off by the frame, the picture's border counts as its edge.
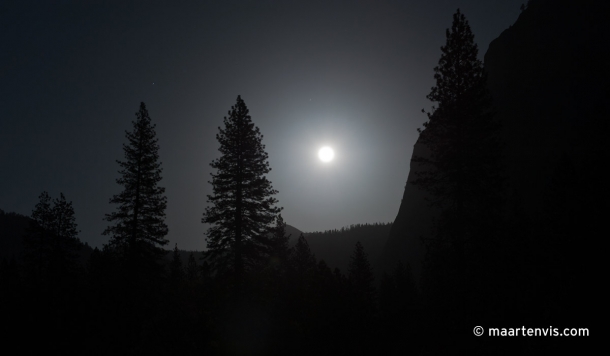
(411, 226)
(549, 77)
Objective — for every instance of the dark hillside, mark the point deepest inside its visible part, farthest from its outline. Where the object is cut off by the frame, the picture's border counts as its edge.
(336, 246)
(12, 228)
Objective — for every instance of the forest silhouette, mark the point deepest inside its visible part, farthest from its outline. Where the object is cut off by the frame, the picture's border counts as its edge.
(475, 242)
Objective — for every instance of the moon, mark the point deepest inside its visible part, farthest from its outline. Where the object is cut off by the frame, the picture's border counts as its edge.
(326, 154)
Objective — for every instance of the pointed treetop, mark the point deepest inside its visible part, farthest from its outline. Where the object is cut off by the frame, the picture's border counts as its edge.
(459, 67)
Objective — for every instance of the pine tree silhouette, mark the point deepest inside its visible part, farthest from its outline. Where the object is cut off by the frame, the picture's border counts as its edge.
(463, 173)
(176, 270)
(192, 270)
(38, 239)
(66, 244)
(279, 250)
(277, 268)
(242, 204)
(464, 180)
(362, 301)
(51, 243)
(52, 270)
(302, 259)
(137, 228)
(361, 277)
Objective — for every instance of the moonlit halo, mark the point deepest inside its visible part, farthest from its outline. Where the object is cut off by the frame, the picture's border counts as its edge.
(326, 154)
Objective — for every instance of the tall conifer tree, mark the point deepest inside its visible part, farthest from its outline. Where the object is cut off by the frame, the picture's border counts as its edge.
(138, 226)
(462, 172)
(279, 250)
(362, 300)
(242, 207)
(302, 260)
(361, 276)
(192, 270)
(38, 240)
(176, 270)
(463, 178)
(65, 235)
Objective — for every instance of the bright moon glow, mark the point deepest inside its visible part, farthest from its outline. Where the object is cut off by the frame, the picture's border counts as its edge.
(326, 154)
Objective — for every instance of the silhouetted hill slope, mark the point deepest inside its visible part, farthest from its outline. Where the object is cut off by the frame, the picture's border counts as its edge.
(294, 233)
(336, 246)
(333, 246)
(548, 75)
(12, 228)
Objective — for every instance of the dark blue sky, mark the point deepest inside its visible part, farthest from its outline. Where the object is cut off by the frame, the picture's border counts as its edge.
(350, 74)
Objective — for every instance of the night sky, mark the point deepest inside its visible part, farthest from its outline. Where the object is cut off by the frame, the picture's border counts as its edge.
(353, 75)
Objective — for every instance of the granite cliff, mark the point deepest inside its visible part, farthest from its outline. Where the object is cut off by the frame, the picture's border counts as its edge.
(548, 75)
